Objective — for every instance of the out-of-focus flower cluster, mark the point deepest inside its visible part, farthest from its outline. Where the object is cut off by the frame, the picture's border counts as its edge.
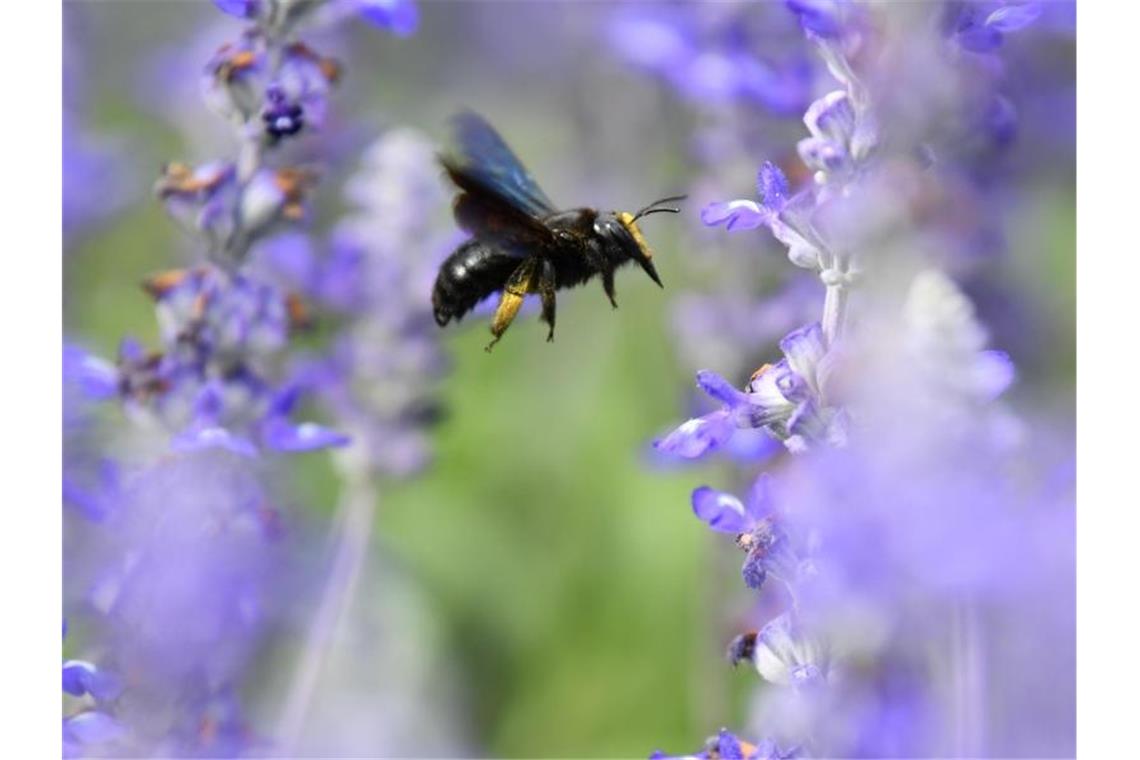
(176, 537)
(905, 522)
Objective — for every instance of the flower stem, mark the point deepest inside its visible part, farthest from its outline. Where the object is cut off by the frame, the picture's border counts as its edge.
(353, 524)
(835, 311)
(967, 660)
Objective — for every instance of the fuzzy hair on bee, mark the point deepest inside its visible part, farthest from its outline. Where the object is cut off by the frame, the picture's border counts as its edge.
(520, 243)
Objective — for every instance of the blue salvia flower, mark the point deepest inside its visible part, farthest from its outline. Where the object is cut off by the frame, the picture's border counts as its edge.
(180, 556)
(784, 653)
(756, 524)
(376, 377)
(715, 56)
(891, 532)
(90, 727)
(727, 746)
(981, 27)
(791, 400)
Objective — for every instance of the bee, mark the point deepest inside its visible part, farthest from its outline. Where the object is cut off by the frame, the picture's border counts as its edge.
(520, 243)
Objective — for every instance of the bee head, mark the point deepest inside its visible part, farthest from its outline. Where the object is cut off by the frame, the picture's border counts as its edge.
(623, 229)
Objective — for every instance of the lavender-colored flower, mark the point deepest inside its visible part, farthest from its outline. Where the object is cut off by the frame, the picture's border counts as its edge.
(241, 85)
(727, 746)
(791, 400)
(756, 524)
(711, 56)
(776, 210)
(981, 27)
(222, 334)
(81, 678)
(90, 730)
(92, 726)
(783, 653)
(380, 261)
(401, 17)
(180, 578)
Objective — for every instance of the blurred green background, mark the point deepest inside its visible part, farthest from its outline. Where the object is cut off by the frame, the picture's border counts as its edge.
(585, 610)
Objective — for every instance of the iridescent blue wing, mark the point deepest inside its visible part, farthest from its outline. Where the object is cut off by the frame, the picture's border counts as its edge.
(484, 165)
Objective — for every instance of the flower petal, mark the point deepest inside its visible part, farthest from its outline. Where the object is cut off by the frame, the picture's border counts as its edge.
(994, 372)
(804, 348)
(698, 436)
(719, 388)
(400, 17)
(239, 8)
(737, 215)
(721, 511)
(199, 438)
(760, 503)
(832, 117)
(821, 17)
(81, 678)
(728, 746)
(96, 378)
(92, 727)
(281, 435)
(1011, 18)
(772, 186)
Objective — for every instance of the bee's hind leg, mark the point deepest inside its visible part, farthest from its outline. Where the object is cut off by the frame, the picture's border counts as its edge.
(520, 283)
(546, 286)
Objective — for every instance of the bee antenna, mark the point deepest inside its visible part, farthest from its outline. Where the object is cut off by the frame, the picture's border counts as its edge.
(651, 210)
(667, 209)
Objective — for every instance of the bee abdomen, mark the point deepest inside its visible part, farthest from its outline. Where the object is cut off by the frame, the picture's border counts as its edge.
(468, 276)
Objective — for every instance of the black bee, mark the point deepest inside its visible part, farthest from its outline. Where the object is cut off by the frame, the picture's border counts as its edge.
(520, 243)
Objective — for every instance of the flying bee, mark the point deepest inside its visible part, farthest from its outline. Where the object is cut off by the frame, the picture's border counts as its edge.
(520, 243)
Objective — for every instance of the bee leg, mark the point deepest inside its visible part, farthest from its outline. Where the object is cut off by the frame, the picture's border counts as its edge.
(546, 286)
(520, 283)
(608, 286)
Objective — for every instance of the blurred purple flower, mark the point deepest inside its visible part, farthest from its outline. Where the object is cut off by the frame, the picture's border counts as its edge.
(401, 17)
(709, 62)
(824, 18)
(981, 27)
(185, 564)
(727, 746)
(96, 179)
(380, 263)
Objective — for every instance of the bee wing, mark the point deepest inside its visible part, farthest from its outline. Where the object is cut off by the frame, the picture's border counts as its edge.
(489, 219)
(484, 165)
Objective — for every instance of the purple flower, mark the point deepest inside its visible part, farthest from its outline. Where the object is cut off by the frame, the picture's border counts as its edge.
(201, 198)
(727, 746)
(376, 376)
(88, 729)
(981, 32)
(241, 85)
(400, 17)
(789, 399)
(783, 653)
(221, 332)
(776, 210)
(240, 8)
(188, 556)
(675, 44)
(757, 529)
(823, 18)
(80, 678)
